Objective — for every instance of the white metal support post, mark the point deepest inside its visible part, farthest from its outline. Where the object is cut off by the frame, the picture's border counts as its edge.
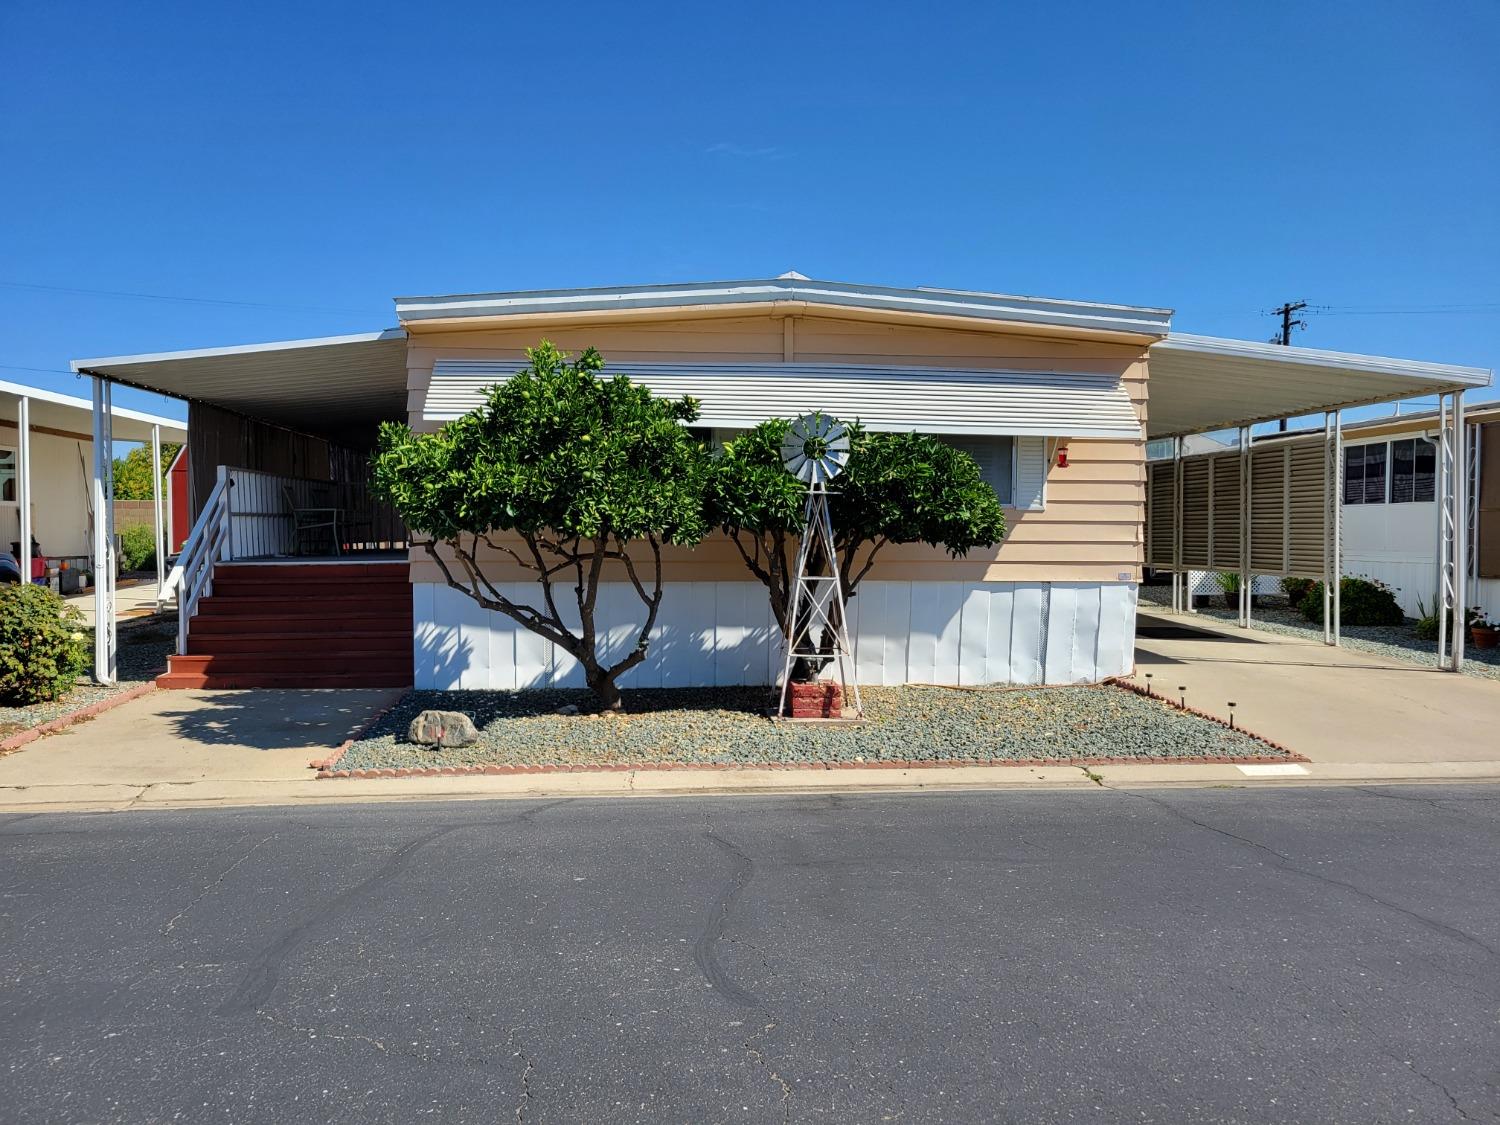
(1461, 532)
(1452, 532)
(159, 525)
(23, 468)
(1245, 541)
(1179, 583)
(104, 534)
(1444, 607)
(1331, 499)
(1338, 525)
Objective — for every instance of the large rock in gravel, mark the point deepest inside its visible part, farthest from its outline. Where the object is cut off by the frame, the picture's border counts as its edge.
(442, 728)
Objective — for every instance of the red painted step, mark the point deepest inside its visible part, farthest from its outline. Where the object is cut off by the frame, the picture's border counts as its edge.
(211, 644)
(313, 572)
(245, 681)
(311, 591)
(324, 606)
(342, 662)
(345, 625)
(239, 624)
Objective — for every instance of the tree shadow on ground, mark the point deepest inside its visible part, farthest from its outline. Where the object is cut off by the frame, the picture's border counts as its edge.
(279, 719)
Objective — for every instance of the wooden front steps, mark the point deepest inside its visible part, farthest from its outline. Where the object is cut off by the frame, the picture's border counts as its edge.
(293, 625)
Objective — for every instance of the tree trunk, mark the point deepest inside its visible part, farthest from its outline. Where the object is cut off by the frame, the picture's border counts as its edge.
(607, 693)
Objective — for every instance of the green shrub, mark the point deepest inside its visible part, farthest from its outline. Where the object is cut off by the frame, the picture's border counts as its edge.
(42, 648)
(1296, 589)
(1427, 620)
(1363, 601)
(138, 548)
(1228, 581)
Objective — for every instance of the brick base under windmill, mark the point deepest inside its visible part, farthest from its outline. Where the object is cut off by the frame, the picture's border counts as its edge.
(821, 699)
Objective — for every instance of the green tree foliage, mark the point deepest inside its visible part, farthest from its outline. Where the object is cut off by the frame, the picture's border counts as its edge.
(578, 467)
(138, 548)
(133, 471)
(42, 646)
(896, 488)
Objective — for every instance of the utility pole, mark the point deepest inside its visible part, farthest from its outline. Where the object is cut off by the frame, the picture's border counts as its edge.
(1289, 320)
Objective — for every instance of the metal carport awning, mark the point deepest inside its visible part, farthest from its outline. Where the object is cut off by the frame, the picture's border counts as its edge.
(897, 399)
(335, 387)
(1200, 384)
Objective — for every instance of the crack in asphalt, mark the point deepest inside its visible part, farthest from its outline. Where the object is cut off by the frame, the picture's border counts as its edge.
(314, 1032)
(520, 1053)
(172, 922)
(261, 976)
(761, 1060)
(705, 949)
(1453, 933)
(1438, 804)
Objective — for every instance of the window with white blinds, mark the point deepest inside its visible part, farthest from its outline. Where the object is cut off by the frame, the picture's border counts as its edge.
(995, 456)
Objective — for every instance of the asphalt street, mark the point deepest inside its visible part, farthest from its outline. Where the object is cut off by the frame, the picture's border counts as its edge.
(1298, 955)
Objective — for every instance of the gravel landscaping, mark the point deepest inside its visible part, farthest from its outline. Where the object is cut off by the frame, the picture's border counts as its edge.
(1393, 642)
(711, 726)
(144, 646)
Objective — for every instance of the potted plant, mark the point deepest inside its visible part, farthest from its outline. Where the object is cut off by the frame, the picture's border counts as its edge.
(1483, 633)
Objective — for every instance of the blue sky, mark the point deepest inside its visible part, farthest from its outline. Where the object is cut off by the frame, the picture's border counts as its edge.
(307, 162)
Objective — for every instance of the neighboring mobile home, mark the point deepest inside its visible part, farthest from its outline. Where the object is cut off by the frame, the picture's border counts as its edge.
(53, 434)
(1056, 399)
(1390, 510)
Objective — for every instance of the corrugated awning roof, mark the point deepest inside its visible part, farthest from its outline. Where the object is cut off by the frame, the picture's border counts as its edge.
(1201, 383)
(337, 387)
(926, 399)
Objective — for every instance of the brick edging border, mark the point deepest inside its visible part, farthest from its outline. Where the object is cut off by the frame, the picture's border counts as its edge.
(325, 765)
(328, 767)
(62, 722)
(1291, 755)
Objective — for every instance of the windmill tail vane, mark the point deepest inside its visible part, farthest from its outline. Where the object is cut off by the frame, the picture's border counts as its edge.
(815, 451)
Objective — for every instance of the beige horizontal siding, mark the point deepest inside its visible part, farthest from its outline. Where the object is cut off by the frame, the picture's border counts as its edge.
(1089, 530)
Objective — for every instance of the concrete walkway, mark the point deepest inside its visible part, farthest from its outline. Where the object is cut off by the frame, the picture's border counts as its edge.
(1331, 704)
(134, 597)
(212, 738)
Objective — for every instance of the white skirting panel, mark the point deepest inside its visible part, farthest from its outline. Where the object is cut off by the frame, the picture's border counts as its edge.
(722, 633)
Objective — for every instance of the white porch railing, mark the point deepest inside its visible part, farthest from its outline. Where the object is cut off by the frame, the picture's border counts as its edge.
(249, 515)
(192, 576)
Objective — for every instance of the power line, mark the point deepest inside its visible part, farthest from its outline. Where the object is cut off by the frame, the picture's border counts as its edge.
(171, 297)
(38, 370)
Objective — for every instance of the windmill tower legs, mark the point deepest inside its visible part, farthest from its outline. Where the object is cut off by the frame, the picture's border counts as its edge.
(818, 609)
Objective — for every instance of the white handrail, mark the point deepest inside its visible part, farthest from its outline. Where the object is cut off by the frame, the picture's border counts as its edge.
(192, 574)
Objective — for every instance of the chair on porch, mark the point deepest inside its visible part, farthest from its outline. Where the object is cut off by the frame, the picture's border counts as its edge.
(313, 521)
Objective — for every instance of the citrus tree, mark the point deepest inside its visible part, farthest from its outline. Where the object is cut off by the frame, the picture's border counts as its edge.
(896, 488)
(561, 472)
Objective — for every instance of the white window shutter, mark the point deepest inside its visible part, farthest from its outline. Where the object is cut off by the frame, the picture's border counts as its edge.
(1031, 473)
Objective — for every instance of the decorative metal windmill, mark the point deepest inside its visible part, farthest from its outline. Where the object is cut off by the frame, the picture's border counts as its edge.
(815, 451)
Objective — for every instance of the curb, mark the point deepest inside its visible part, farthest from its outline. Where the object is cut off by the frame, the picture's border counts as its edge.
(26, 737)
(328, 773)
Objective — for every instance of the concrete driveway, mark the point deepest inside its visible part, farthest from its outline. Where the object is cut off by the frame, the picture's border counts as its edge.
(1331, 704)
(196, 736)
